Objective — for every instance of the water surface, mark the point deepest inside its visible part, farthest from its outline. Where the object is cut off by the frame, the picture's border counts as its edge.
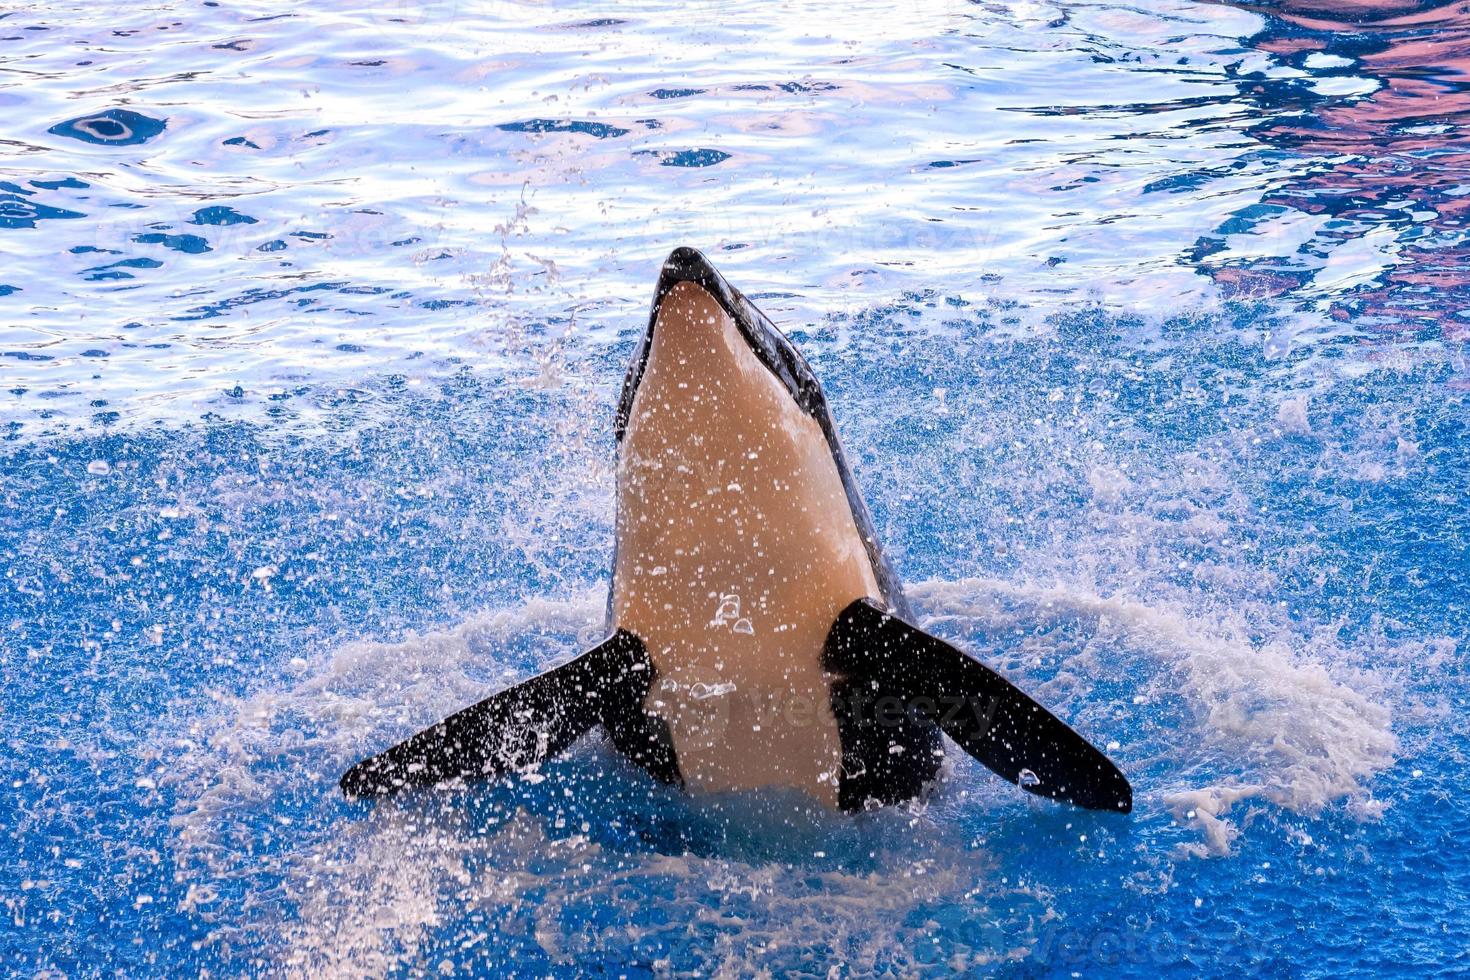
(1144, 327)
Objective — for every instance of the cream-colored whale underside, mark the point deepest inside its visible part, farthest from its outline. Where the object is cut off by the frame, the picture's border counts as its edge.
(737, 550)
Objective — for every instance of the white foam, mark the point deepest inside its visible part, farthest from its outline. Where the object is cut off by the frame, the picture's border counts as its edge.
(369, 894)
(1291, 415)
(1271, 714)
(1278, 722)
(727, 915)
(361, 694)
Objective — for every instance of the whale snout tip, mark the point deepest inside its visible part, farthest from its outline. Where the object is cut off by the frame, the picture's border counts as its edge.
(686, 264)
(683, 256)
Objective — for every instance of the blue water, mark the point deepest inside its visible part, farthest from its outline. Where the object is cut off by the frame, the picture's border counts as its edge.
(1144, 326)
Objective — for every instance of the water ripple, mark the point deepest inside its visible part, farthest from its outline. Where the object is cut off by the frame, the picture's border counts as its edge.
(1140, 158)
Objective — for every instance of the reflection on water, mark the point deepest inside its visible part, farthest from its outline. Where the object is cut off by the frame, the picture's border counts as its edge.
(1379, 215)
(199, 200)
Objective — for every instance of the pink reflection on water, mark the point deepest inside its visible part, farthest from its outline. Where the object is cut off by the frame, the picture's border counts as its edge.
(1407, 153)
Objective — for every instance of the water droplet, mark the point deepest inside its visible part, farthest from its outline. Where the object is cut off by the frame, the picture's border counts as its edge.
(702, 692)
(1028, 778)
(728, 610)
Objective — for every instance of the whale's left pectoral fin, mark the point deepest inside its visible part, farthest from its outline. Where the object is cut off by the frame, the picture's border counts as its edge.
(517, 728)
(987, 715)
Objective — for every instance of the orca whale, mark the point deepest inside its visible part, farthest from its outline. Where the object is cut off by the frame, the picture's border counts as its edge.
(757, 637)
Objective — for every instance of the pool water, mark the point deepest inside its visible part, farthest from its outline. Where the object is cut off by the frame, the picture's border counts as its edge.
(1144, 326)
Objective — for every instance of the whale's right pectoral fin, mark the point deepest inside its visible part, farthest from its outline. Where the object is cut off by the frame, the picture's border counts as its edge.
(519, 727)
(987, 715)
